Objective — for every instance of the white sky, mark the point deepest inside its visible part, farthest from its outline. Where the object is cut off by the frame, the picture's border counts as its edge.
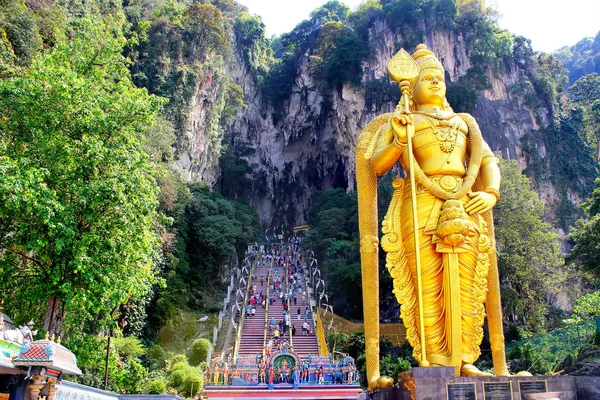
(550, 24)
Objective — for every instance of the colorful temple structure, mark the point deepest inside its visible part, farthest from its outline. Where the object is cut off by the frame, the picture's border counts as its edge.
(268, 361)
(34, 369)
(30, 369)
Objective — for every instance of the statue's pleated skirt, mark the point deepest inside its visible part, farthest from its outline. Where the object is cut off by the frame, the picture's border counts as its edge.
(452, 299)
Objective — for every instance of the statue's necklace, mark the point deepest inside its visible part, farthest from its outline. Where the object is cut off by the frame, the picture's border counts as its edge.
(446, 134)
(475, 157)
(445, 131)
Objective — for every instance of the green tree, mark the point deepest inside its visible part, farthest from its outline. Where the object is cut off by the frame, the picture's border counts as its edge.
(529, 259)
(333, 10)
(209, 231)
(586, 235)
(585, 95)
(126, 374)
(334, 239)
(338, 57)
(77, 197)
(18, 23)
(364, 16)
(204, 32)
(254, 46)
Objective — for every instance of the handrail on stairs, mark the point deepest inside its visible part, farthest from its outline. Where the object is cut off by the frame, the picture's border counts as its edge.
(287, 288)
(323, 350)
(238, 335)
(267, 309)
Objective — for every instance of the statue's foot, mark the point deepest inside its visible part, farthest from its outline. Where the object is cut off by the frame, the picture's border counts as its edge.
(383, 382)
(523, 373)
(471, 370)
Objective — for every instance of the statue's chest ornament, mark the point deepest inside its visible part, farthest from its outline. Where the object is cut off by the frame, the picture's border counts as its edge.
(445, 128)
(446, 135)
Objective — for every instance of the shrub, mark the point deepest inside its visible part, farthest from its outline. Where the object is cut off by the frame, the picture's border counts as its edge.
(157, 357)
(129, 346)
(23, 33)
(392, 366)
(157, 386)
(523, 358)
(186, 378)
(199, 351)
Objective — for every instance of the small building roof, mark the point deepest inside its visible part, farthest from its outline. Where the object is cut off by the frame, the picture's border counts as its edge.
(49, 354)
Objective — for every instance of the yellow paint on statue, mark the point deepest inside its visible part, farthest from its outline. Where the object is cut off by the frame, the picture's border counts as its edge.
(438, 232)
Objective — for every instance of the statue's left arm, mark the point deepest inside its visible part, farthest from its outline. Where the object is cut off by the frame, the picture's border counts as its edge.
(489, 173)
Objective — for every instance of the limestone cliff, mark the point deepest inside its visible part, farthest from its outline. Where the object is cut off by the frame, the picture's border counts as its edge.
(201, 140)
(308, 141)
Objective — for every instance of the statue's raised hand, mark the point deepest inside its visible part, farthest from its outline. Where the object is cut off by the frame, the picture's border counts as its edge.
(399, 122)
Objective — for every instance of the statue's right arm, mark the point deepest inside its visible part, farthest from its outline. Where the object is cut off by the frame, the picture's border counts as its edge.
(384, 160)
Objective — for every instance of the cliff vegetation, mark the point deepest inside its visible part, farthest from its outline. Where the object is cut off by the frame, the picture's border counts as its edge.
(144, 143)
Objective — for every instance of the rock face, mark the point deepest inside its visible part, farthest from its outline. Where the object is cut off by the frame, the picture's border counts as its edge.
(310, 144)
(199, 157)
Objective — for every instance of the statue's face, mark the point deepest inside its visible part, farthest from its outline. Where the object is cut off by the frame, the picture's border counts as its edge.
(430, 87)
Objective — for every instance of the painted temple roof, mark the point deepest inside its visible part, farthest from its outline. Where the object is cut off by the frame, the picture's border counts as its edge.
(48, 354)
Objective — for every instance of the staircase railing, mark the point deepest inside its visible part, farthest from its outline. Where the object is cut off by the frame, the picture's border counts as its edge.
(287, 288)
(238, 335)
(323, 350)
(312, 314)
(267, 310)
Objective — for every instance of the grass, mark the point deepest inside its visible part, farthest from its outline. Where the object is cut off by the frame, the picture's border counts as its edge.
(181, 331)
(396, 333)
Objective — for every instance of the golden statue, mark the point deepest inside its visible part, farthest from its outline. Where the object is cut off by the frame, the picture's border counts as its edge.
(449, 281)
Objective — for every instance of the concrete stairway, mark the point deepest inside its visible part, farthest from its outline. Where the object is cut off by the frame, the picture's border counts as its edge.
(252, 338)
(309, 343)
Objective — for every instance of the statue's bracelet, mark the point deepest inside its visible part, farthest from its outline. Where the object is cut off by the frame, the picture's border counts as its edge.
(493, 191)
(399, 144)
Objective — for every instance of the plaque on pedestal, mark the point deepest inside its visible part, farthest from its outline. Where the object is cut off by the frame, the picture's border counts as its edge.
(497, 391)
(461, 391)
(527, 387)
(439, 383)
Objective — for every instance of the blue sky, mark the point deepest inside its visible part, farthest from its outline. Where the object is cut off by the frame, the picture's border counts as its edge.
(550, 24)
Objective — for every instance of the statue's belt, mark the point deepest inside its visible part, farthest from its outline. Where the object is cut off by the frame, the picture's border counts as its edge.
(448, 183)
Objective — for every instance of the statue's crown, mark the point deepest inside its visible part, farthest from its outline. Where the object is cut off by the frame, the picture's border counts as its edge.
(426, 58)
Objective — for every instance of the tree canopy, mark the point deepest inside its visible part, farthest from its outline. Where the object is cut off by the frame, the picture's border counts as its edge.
(77, 196)
(529, 260)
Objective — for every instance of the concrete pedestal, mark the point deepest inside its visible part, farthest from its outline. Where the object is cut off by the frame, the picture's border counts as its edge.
(439, 383)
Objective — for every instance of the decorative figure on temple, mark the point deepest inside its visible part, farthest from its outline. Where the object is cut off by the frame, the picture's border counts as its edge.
(235, 372)
(296, 375)
(345, 372)
(351, 373)
(21, 335)
(280, 375)
(215, 370)
(305, 371)
(438, 231)
(319, 374)
(271, 375)
(27, 331)
(262, 371)
(225, 374)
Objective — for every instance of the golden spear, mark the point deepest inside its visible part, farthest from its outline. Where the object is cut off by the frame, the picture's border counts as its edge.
(403, 69)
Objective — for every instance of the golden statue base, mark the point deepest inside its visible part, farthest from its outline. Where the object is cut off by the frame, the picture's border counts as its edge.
(440, 383)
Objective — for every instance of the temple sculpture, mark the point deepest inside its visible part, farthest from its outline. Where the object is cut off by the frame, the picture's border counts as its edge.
(438, 232)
